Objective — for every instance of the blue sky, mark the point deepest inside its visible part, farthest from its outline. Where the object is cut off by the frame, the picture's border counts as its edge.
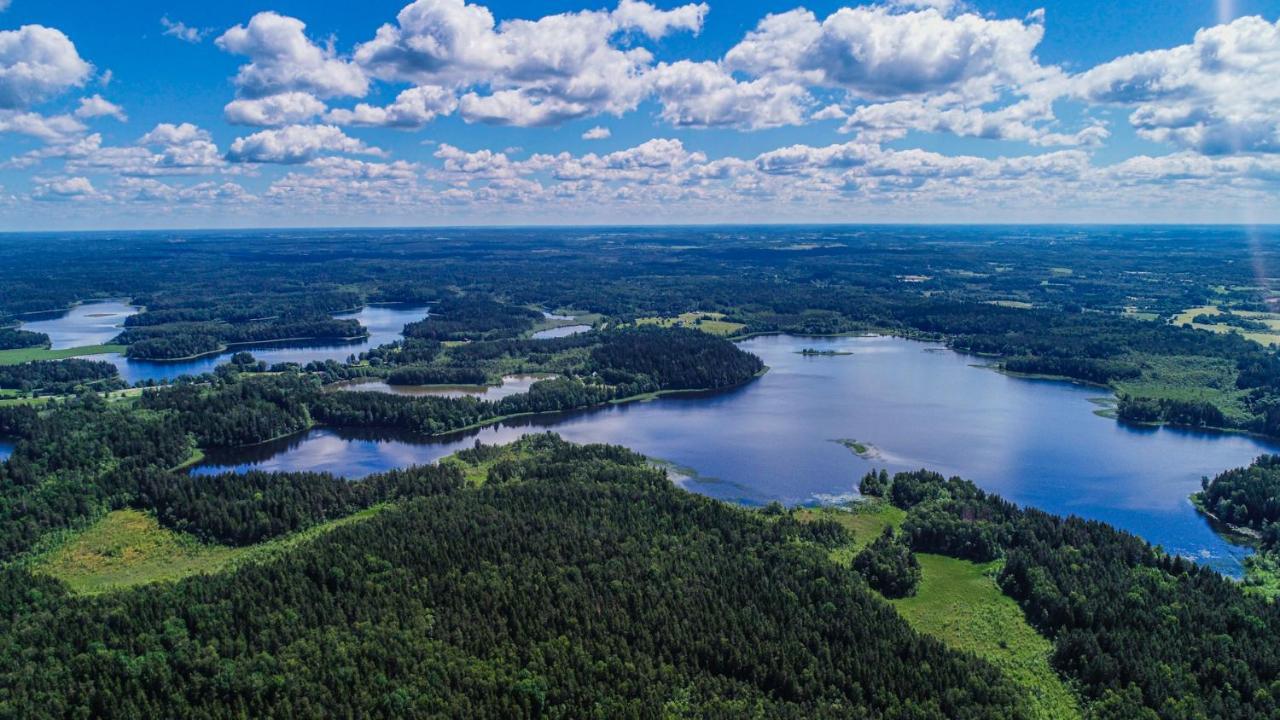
(289, 113)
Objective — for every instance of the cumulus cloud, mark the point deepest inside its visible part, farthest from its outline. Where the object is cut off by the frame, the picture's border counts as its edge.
(183, 31)
(295, 144)
(283, 59)
(876, 53)
(412, 109)
(37, 63)
(597, 133)
(539, 72)
(287, 108)
(97, 106)
(51, 129)
(1217, 95)
(62, 189)
(705, 95)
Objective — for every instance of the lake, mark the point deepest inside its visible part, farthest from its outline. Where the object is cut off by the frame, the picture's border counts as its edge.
(97, 323)
(920, 405)
(6, 449)
(86, 324)
(562, 331)
(511, 385)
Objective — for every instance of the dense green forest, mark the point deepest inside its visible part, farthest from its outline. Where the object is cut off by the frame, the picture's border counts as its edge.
(1143, 634)
(1128, 308)
(553, 580)
(512, 600)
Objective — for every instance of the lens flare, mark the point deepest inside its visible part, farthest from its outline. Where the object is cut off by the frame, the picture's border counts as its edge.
(1226, 11)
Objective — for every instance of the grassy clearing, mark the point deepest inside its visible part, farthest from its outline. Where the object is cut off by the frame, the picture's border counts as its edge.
(1015, 304)
(22, 355)
(864, 520)
(127, 548)
(959, 603)
(1265, 339)
(1190, 377)
(709, 322)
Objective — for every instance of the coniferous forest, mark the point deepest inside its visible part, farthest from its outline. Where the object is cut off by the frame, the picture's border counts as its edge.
(551, 579)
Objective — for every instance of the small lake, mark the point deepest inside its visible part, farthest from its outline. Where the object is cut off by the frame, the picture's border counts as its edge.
(1038, 443)
(88, 325)
(562, 331)
(511, 385)
(6, 449)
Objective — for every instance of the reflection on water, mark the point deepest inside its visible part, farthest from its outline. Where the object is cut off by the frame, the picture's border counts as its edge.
(562, 331)
(511, 385)
(91, 324)
(1034, 442)
(87, 324)
(6, 449)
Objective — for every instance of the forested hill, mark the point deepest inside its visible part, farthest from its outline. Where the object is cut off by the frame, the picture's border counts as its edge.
(577, 582)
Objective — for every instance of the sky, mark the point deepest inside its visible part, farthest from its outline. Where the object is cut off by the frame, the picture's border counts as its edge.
(288, 113)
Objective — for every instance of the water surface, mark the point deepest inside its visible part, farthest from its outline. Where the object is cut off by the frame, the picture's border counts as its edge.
(562, 331)
(511, 385)
(6, 449)
(86, 324)
(1035, 442)
(97, 323)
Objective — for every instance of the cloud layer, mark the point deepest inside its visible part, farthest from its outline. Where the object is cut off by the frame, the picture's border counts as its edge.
(305, 116)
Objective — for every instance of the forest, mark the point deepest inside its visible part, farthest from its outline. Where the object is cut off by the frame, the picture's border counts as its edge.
(546, 579)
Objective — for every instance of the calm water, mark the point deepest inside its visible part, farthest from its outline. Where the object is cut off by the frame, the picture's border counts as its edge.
(562, 331)
(88, 324)
(1034, 442)
(91, 324)
(6, 449)
(511, 385)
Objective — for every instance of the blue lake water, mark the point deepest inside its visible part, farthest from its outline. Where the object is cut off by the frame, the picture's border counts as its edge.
(97, 323)
(87, 324)
(562, 331)
(1038, 443)
(6, 449)
(511, 385)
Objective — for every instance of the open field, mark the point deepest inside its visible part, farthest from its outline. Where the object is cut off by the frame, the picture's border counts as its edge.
(864, 520)
(959, 603)
(22, 355)
(709, 322)
(126, 548)
(1262, 338)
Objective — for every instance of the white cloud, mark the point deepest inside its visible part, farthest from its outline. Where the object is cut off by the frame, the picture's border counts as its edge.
(183, 31)
(49, 128)
(597, 133)
(876, 53)
(1217, 95)
(705, 95)
(167, 149)
(538, 72)
(37, 63)
(283, 59)
(97, 106)
(60, 189)
(656, 23)
(287, 108)
(295, 144)
(412, 109)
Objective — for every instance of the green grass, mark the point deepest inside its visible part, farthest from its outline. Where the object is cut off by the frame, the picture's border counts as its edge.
(22, 355)
(708, 322)
(1190, 377)
(959, 603)
(864, 520)
(127, 548)
(1262, 338)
